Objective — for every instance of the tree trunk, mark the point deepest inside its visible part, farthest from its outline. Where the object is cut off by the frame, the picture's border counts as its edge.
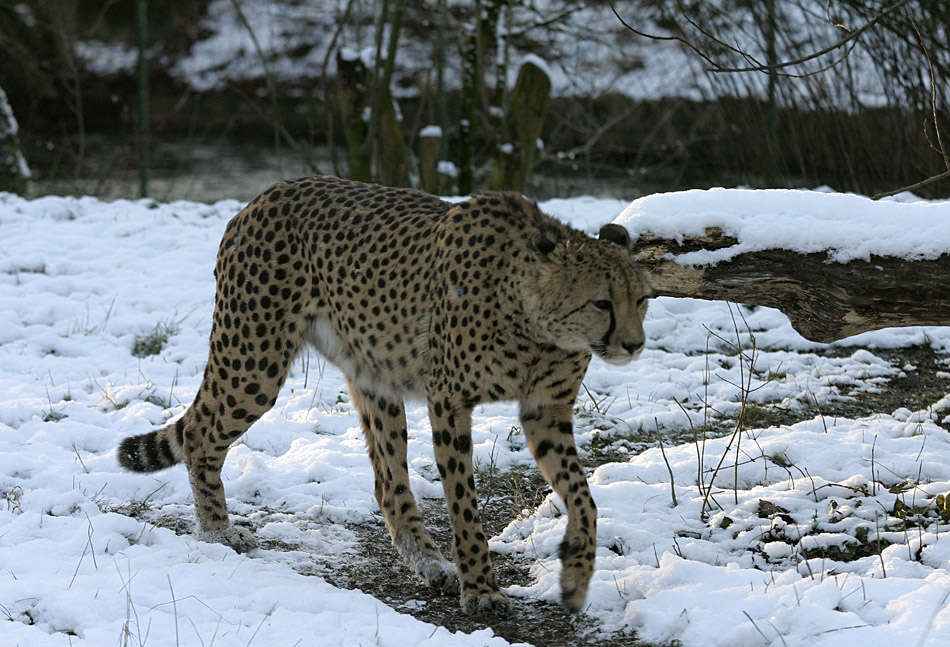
(825, 301)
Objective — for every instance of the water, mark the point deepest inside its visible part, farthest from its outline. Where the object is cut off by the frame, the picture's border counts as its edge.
(240, 170)
(182, 171)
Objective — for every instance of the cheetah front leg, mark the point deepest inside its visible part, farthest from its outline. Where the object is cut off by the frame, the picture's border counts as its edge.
(452, 441)
(550, 436)
(384, 426)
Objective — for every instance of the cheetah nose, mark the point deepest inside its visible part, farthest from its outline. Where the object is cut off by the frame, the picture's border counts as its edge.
(632, 346)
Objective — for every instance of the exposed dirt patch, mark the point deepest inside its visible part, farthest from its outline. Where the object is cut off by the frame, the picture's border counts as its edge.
(379, 571)
(921, 384)
(918, 388)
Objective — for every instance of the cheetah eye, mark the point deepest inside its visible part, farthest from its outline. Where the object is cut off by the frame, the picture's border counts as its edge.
(602, 304)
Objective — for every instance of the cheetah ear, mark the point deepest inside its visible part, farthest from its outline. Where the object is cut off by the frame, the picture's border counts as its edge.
(614, 234)
(541, 243)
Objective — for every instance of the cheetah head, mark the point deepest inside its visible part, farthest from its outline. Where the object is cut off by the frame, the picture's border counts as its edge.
(590, 295)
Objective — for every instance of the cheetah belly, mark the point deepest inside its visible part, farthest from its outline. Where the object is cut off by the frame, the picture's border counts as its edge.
(362, 371)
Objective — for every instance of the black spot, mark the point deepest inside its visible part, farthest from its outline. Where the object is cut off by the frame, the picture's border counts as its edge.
(543, 448)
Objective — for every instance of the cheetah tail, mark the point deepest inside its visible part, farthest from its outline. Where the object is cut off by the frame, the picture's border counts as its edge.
(152, 451)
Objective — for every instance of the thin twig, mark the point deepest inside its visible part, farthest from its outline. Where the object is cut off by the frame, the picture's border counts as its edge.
(261, 624)
(756, 627)
(268, 76)
(933, 94)
(880, 553)
(933, 618)
(699, 460)
(873, 477)
(174, 607)
(297, 146)
(659, 440)
(911, 187)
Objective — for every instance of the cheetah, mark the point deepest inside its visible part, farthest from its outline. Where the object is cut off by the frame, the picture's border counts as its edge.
(412, 297)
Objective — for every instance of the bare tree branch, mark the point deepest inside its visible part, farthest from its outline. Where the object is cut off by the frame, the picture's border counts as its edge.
(851, 39)
(929, 180)
(933, 96)
(939, 148)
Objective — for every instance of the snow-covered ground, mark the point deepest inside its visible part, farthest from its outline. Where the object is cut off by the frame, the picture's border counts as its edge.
(826, 532)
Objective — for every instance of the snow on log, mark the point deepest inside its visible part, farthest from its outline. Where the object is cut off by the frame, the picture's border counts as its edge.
(836, 265)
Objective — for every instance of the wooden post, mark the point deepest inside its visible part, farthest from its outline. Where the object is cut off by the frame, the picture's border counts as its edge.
(141, 15)
(466, 176)
(351, 82)
(430, 142)
(390, 153)
(772, 115)
(514, 157)
(441, 111)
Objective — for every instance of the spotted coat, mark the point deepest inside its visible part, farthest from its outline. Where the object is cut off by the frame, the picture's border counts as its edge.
(412, 297)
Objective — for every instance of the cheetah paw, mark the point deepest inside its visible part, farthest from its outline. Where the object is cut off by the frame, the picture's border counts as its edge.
(574, 590)
(440, 574)
(491, 603)
(573, 601)
(238, 538)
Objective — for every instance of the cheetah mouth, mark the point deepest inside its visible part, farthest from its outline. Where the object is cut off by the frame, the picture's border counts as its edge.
(616, 359)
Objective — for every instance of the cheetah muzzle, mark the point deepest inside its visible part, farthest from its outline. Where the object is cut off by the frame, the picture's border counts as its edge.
(412, 297)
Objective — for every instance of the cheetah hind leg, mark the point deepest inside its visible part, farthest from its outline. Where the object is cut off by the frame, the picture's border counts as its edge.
(235, 392)
(384, 426)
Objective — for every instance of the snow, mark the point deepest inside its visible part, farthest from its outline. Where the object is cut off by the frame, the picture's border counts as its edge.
(230, 52)
(677, 578)
(349, 55)
(538, 62)
(847, 226)
(447, 168)
(81, 278)
(430, 131)
(104, 58)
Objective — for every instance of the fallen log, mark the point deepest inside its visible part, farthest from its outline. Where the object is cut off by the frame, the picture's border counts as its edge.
(826, 295)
